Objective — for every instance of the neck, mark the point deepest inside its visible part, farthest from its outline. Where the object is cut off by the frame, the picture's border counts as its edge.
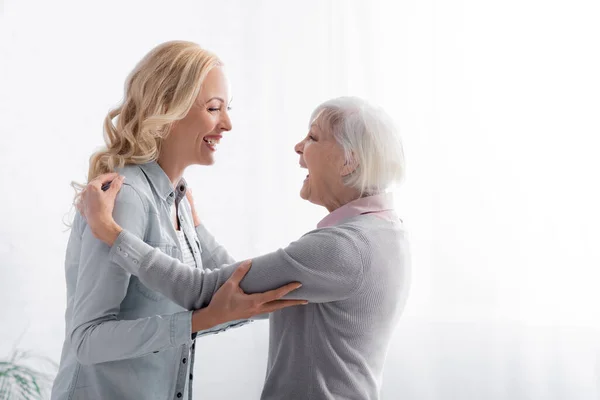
(172, 166)
(341, 197)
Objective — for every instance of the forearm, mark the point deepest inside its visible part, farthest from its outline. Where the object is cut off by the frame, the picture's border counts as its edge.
(193, 288)
(213, 254)
(107, 232)
(204, 319)
(111, 340)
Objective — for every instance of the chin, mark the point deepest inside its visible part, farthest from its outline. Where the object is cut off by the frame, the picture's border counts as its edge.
(304, 192)
(205, 161)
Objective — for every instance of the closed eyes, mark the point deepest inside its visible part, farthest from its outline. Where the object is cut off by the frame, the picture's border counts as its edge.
(213, 109)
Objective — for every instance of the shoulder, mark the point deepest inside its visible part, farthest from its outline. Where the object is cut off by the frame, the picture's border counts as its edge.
(131, 210)
(134, 176)
(371, 227)
(334, 234)
(135, 189)
(339, 234)
(370, 231)
(339, 242)
(376, 237)
(131, 196)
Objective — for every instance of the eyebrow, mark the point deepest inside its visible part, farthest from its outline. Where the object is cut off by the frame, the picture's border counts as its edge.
(216, 98)
(220, 99)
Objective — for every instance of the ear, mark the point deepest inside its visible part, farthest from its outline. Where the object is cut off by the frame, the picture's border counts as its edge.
(349, 166)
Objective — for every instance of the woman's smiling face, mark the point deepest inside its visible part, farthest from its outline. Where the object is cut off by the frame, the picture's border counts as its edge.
(199, 132)
(322, 155)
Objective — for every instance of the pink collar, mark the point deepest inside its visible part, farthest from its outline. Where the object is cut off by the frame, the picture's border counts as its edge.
(379, 203)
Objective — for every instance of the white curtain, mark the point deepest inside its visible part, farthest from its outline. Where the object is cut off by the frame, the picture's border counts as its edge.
(498, 107)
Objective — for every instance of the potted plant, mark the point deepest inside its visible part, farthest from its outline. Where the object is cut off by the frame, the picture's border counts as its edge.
(19, 380)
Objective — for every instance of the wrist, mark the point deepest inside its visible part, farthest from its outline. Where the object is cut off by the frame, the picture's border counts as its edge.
(109, 233)
(203, 319)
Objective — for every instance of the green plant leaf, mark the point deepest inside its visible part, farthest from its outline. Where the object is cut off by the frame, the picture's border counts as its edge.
(19, 381)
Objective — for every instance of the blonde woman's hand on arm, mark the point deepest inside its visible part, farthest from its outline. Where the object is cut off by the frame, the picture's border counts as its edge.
(231, 303)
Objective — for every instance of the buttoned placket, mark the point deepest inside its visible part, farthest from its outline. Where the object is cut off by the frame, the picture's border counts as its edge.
(188, 354)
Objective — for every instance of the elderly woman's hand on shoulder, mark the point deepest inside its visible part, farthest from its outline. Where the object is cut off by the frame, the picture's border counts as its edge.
(96, 203)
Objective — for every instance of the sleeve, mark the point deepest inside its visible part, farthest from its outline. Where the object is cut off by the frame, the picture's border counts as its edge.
(96, 334)
(326, 261)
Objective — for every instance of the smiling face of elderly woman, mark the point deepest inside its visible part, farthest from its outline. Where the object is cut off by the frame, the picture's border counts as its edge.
(324, 158)
(353, 149)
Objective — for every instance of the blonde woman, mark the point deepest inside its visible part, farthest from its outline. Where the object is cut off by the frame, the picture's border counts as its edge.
(124, 340)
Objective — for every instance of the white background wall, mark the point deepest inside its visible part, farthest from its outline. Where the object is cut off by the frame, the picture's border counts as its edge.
(498, 106)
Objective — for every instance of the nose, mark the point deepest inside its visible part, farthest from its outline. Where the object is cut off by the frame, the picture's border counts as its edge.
(225, 124)
(299, 147)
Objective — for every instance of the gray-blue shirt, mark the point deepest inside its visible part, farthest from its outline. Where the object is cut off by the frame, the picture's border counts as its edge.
(124, 340)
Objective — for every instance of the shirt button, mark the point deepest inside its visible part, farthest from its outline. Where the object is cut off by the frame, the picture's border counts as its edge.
(191, 377)
(119, 248)
(184, 360)
(135, 261)
(125, 254)
(179, 395)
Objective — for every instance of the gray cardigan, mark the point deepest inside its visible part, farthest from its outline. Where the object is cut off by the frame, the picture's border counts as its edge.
(355, 274)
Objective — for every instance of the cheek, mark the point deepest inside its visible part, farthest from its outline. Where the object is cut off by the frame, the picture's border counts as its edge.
(311, 157)
(206, 123)
(199, 124)
(320, 162)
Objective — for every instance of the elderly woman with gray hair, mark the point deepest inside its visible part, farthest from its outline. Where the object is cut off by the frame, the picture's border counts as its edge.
(354, 268)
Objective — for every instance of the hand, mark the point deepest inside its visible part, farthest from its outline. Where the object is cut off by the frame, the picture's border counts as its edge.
(230, 303)
(188, 194)
(96, 206)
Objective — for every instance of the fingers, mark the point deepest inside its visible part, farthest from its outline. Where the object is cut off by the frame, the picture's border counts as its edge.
(240, 272)
(278, 293)
(115, 186)
(107, 177)
(189, 195)
(99, 184)
(190, 199)
(280, 304)
(100, 180)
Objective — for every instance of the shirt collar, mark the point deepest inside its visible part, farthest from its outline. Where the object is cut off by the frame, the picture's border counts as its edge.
(162, 184)
(365, 205)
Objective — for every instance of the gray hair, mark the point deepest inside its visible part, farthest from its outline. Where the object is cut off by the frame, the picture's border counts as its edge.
(368, 137)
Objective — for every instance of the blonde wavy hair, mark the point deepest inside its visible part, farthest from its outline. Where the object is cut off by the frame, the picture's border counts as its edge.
(160, 90)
